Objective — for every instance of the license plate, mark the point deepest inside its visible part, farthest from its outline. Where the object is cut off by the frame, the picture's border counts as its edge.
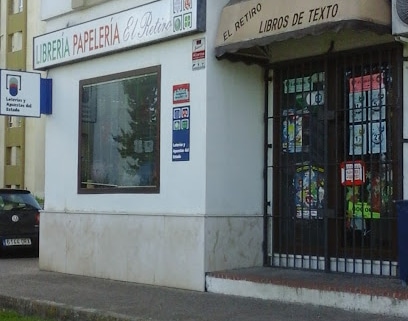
(16, 242)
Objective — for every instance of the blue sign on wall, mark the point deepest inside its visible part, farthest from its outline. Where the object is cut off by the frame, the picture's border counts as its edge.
(181, 133)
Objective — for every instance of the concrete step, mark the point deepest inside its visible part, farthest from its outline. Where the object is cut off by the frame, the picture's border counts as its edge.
(352, 292)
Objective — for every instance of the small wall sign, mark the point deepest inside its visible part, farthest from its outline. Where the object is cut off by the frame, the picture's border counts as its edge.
(20, 93)
(181, 134)
(198, 54)
(181, 94)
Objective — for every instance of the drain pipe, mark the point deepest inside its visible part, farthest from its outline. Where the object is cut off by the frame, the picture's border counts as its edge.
(267, 146)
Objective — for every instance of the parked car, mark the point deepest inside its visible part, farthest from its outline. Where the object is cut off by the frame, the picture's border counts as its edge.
(19, 220)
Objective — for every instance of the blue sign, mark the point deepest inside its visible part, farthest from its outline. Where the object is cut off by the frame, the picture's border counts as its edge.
(181, 133)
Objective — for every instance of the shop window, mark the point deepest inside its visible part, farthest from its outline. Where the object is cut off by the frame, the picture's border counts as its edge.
(337, 160)
(119, 133)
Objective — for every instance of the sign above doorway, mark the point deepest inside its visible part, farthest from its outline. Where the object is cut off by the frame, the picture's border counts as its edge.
(250, 23)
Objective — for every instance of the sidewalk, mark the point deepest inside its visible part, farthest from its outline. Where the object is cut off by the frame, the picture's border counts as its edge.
(25, 288)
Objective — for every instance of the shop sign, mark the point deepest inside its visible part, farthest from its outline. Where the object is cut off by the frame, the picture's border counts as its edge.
(181, 94)
(145, 24)
(352, 173)
(20, 93)
(362, 209)
(244, 23)
(198, 54)
(181, 134)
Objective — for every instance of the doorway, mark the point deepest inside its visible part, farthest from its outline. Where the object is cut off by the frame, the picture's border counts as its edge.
(336, 161)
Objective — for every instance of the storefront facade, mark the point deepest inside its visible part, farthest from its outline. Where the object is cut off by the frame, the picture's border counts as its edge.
(165, 161)
(334, 139)
(178, 217)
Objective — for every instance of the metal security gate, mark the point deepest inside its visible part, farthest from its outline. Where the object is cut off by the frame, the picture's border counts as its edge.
(336, 162)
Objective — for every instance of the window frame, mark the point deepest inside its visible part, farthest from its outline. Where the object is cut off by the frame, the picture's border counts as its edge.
(117, 77)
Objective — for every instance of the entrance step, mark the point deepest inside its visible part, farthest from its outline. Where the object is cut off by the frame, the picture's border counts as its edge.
(352, 292)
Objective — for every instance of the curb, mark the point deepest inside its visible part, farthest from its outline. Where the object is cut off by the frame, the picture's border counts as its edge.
(57, 311)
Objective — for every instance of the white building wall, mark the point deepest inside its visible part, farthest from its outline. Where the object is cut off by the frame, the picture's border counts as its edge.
(138, 229)
(59, 14)
(181, 190)
(234, 160)
(51, 9)
(34, 177)
(208, 214)
(235, 108)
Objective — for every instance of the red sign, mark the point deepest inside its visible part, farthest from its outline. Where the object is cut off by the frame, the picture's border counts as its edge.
(181, 94)
(366, 83)
(352, 173)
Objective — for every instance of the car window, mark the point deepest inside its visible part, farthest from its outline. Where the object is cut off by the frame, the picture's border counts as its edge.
(17, 201)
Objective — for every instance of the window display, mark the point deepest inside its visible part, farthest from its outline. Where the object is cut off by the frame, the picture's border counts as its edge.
(368, 141)
(119, 133)
(336, 152)
(301, 139)
(309, 191)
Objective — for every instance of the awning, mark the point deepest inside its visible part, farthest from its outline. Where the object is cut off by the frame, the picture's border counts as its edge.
(256, 23)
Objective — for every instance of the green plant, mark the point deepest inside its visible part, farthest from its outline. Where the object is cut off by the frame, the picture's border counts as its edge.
(40, 201)
(7, 315)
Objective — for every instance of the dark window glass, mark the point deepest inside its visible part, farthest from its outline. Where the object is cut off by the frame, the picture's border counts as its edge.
(119, 133)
